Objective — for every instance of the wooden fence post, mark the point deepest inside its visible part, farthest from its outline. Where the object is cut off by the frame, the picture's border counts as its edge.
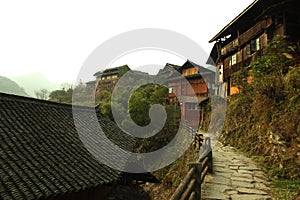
(197, 177)
(210, 170)
(190, 186)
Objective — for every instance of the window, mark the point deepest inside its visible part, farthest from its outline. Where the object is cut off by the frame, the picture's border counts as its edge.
(257, 44)
(248, 49)
(171, 90)
(192, 106)
(223, 51)
(210, 85)
(254, 45)
(221, 73)
(233, 59)
(235, 43)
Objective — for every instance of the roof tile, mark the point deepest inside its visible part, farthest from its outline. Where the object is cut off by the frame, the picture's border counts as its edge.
(41, 154)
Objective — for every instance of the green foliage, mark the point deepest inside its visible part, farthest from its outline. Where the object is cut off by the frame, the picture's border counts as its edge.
(172, 175)
(105, 103)
(142, 99)
(292, 83)
(138, 107)
(79, 95)
(241, 80)
(139, 103)
(61, 96)
(264, 118)
(285, 189)
(277, 59)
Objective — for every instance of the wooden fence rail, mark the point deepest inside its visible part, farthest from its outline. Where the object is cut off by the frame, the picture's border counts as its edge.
(190, 186)
(198, 137)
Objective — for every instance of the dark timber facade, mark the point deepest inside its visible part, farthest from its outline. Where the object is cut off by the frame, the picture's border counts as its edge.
(245, 37)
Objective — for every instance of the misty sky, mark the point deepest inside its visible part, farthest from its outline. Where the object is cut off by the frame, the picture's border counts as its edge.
(55, 37)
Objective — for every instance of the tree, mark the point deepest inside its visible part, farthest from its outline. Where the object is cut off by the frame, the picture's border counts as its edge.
(105, 103)
(63, 95)
(65, 86)
(138, 104)
(42, 94)
(58, 96)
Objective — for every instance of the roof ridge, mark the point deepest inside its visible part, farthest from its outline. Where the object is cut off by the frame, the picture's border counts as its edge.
(234, 20)
(31, 100)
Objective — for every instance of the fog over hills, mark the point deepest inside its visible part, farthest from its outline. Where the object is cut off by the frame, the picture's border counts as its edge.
(11, 87)
(34, 82)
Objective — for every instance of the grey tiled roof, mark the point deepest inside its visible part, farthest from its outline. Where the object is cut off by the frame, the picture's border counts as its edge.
(41, 154)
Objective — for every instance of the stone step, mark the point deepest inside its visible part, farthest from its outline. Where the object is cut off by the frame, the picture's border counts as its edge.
(235, 177)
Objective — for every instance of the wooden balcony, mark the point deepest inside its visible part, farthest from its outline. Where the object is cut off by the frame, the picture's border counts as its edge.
(246, 36)
(228, 71)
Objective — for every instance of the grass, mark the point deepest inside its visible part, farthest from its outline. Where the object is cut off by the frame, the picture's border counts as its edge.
(171, 176)
(282, 189)
(174, 173)
(285, 189)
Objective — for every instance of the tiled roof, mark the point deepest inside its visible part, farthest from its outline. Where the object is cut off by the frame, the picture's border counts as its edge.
(203, 70)
(115, 70)
(41, 154)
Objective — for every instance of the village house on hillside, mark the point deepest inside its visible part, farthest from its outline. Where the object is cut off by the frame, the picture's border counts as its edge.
(244, 38)
(202, 82)
(108, 78)
(201, 79)
(42, 156)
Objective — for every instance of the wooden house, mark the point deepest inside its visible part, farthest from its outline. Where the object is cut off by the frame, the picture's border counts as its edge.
(193, 75)
(108, 78)
(244, 38)
(91, 84)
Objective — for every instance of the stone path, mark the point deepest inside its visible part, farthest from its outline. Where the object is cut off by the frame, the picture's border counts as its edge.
(235, 177)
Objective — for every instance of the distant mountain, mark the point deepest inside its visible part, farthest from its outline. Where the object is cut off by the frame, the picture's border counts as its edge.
(11, 87)
(34, 82)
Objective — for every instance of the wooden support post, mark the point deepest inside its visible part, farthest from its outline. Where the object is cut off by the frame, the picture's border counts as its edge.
(197, 175)
(210, 156)
(210, 169)
(183, 185)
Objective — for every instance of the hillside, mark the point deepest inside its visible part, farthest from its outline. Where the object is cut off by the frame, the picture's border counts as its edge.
(35, 82)
(263, 120)
(11, 87)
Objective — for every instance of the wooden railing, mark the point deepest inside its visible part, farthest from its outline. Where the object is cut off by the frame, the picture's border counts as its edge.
(244, 63)
(190, 186)
(198, 137)
(246, 36)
